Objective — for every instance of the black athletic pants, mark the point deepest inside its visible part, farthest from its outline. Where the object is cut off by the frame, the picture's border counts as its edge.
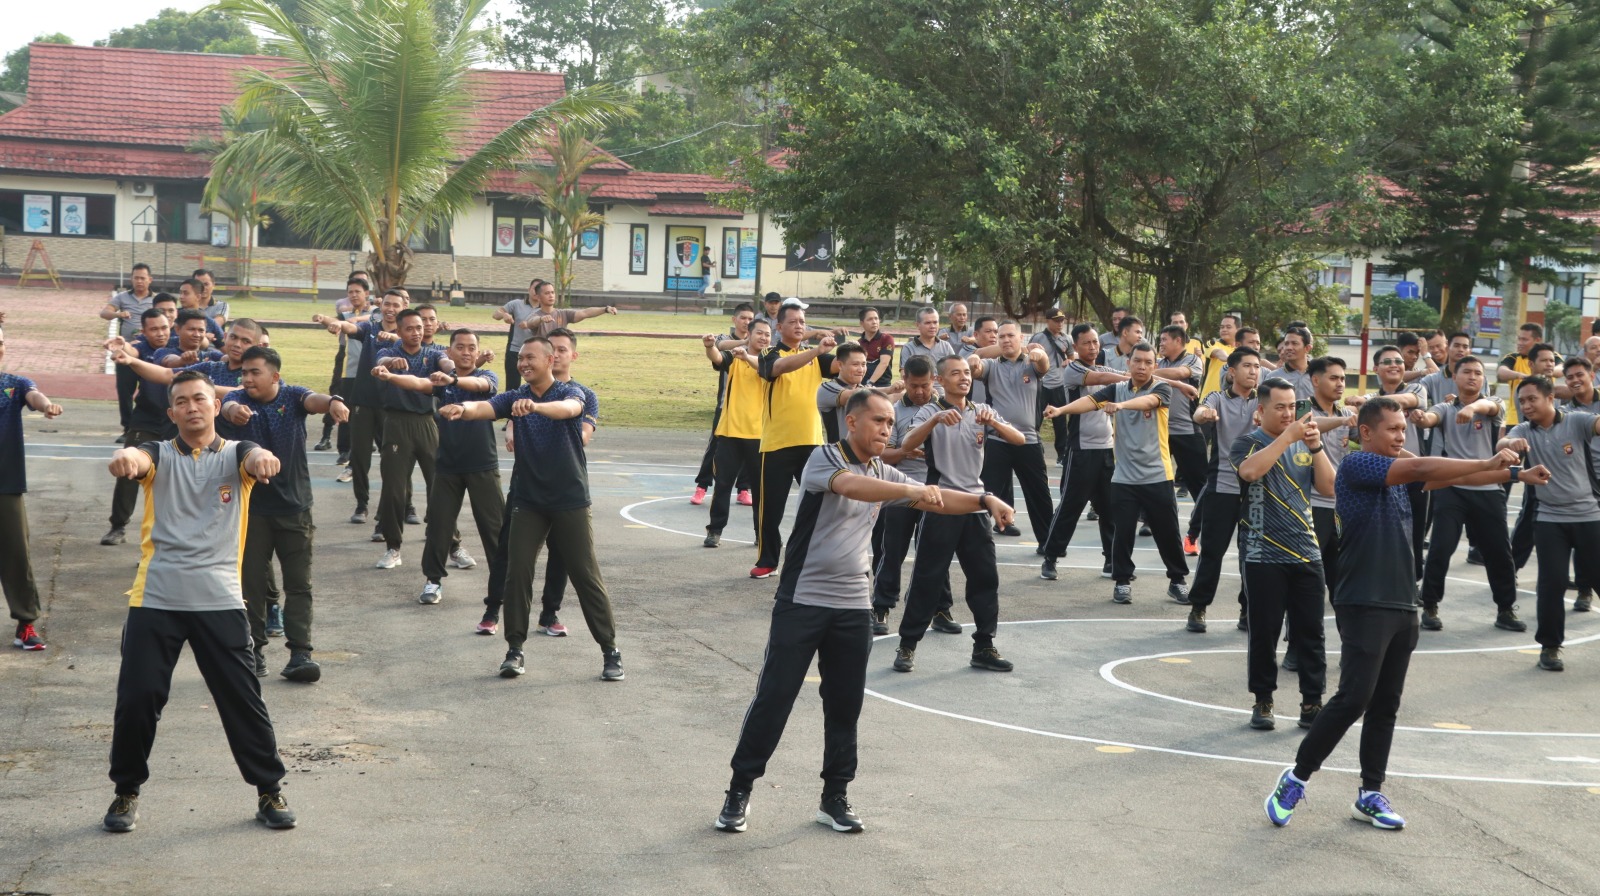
(289, 538)
(570, 535)
(335, 386)
(900, 525)
(1483, 514)
(220, 641)
(778, 469)
(1085, 480)
(1275, 589)
(969, 538)
(707, 476)
(1218, 523)
(1562, 545)
(1374, 654)
(366, 432)
(1053, 396)
(1000, 460)
(841, 641)
(444, 507)
(735, 464)
(1421, 511)
(16, 567)
(1327, 528)
(1522, 535)
(1159, 507)
(1189, 463)
(409, 440)
(127, 385)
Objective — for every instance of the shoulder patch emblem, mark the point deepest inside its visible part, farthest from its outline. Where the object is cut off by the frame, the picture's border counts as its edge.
(226, 494)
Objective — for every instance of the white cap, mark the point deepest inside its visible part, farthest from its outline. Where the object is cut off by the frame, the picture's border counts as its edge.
(792, 302)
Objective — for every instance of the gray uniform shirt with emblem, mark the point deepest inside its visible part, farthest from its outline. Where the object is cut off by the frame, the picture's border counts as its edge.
(1473, 440)
(913, 347)
(1335, 444)
(955, 453)
(1012, 389)
(1090, 430)
(1141, 443)
(905, 416)
(1569, 496)
(828, 563)
(198, 501)
(1235, 418)
(1299, 379)
(1181, 421)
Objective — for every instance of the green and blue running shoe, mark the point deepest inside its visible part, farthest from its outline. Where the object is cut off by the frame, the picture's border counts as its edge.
(1374, 807)
(1284, 797)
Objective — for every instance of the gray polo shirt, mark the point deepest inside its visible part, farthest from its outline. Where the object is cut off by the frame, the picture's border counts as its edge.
(1114, 357)
(913, 347)
(1569, 497)
(1299, 379)
(905, 413)
(828, 562)
(1414, 436)
(1593, 407)
(136, 307)
(955, 453)
(954, 337)
(198, 502)
(1012, 389)
(1335, 444)
(1181, 422)
(522, 310)
(1059, 348)
(1473, 440)
(1436, 386)
(1141, 444)
(830, 410)
(1235, 418)
(1084, 431)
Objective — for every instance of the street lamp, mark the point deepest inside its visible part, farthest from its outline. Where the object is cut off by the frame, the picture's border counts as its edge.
(352, 262)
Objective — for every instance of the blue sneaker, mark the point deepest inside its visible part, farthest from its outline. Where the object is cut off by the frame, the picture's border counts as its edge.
(274, 621)
(1374, 807)
(1284, 797)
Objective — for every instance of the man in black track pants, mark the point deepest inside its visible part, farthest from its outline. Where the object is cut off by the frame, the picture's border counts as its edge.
(1010, 373)
(1230, 413)
(1088, 460)
(900, 524)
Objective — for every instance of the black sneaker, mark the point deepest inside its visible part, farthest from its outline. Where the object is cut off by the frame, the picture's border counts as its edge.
(1197, 621)
(713, 539)
(344, 459)
(1430, 618)
(944, 622)
(1179, 592)
(1092, 516)
(1291, 660)
(261, 662)
(735, 812)
(114, 535)
(880, 620)
(1122, 594)
(1261, 717)
(1550, 659)
(990, 660)
(1105, 571)
(512, 666)
(359, 517)
(905, 659)
(1583, 602)
(301, 667)
(1047, 569)
(1244, 620)
(835, 812)
(123, 816)
(1308, 713)
(1475, 557)
(411, 517)
(1507, 619)
(1144, 531)
(1012, 531)
(273, 811)
(612, 669)
(323, 445)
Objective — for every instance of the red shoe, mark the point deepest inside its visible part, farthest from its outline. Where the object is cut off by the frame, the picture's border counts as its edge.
(554, 630)
(744, 497)
(699, 496)
(1190, 546)
(762, 572)
(27, 638)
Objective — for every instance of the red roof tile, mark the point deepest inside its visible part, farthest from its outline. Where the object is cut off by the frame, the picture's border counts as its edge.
(52, 157)
(694, 210)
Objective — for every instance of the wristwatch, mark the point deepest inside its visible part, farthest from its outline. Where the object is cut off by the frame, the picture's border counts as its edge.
(334, 398)
(1516, 470)
(1316, 450)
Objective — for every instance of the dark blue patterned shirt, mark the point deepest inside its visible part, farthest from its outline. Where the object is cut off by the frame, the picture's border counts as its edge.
(13, 399)
(467, 446)
(1374, 531)
(422, 364)
(551, 470)
(280, 427)
(221, 375)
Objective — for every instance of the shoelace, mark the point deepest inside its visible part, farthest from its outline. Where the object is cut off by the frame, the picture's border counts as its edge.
(1291, 793)
(274, 801)
(122, 805)
(1378, 803)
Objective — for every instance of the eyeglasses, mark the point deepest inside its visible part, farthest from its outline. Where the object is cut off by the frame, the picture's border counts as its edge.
(1386, 362)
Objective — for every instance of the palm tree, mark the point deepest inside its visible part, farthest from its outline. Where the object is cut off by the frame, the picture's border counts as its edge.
(571, 151)
(240, 196)
(365, 124)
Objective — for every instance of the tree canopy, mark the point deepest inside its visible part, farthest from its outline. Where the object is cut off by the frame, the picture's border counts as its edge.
(206, 31)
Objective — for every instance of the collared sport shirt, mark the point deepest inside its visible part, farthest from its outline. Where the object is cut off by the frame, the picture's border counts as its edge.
(1012, 389)
(1181, 421)
(1235, 417)
(13, 400)
(954, 453)
(1473, 440)
(1141, 448)
(196, 508)
(1563, 448)
(280, 427)
(1275, 525)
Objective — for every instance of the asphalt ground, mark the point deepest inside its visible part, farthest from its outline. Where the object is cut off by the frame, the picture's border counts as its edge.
(1115, 759)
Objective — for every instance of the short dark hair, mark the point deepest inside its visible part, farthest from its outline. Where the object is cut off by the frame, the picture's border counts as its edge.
(1127, 322)
(846, 349)
(163, 297)
(762, 322)
(1374, 408)
(1123, 308)
(1245, 330)
(1302, 332)
(744, 306)
(1541, 347)
(189, 376)
(1319, 366)
(1459, 335)
(563, 331)
(1237, 320)
(1175, 330)
(358, 280)
(426, 306)
(462, 331)
(536, 339)
(187, 314)
(1576, 361)
(193, 284)
(398, 292)
(1142, 347)
(1406, 340)
(1079, 329)
(783, 311)
(204, 272)
(862, 314)
(269, 355)
(150, 314)
(405, 313)
(534, 284)
(1538, 381)
(140, 266)
(1469, 359)
(987, 318)
(247, 325)
(1535, 329)
(941, 364)
(918, 366)
(859, 398)
(1272, 384)
(1382, 350)
(1240, 353)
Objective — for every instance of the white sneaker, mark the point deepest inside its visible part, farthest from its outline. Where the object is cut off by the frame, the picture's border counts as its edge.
(432, 593)
(346, 476)
(390, 560)
(460, 559)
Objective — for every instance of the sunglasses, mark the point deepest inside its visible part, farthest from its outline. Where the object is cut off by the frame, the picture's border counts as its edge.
(1386, 362)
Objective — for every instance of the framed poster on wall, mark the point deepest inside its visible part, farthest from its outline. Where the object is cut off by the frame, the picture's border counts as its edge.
(730, 252)
(685, 245)
(591, 243)
(74, 215)
(505, 236)
(529, 243)
(747, 253)
(38, 213)
(639, 249)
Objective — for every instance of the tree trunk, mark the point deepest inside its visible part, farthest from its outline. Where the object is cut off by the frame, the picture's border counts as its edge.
(389, 269)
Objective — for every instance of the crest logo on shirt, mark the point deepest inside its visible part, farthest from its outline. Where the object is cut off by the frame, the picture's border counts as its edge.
(9, 391)
(1026, 379)
(1567, 448)
(1303, 459)
(1477, 424)
(226, 494)
(1147, 415)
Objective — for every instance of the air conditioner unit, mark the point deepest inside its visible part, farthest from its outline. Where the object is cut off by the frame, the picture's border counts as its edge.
(143, 188)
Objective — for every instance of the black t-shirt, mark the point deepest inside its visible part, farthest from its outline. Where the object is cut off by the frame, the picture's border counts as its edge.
(467, 446)
(150, 401)
(280, 427)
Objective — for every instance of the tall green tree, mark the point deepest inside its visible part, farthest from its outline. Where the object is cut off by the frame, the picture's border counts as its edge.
(241, 195)
(206, 31)
(364, 128)
(1487, 200)
(565, 153)
(14, 76)
(589, 41)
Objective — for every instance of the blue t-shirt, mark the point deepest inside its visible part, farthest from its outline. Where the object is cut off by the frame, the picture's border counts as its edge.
(1374, 533)
(423, 364)
(150, 401)
(467, 446)
(280, 427)
(13, 399)
(551, 470)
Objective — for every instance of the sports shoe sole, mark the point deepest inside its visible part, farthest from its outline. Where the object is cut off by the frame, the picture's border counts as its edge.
(1358, 815)
(275, 825)
(304, 674)
(487, 629)
(732, 828)
(825, 818)
(511, 671)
